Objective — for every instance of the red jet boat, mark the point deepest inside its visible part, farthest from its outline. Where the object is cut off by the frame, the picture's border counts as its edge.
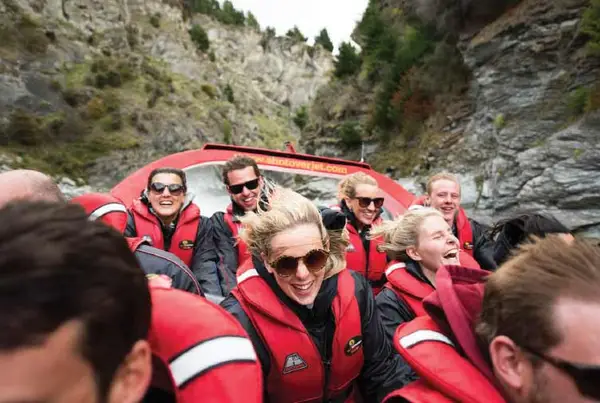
(314, 177)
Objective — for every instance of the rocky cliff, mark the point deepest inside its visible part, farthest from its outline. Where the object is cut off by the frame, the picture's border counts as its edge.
(96, 89)
(527, 134)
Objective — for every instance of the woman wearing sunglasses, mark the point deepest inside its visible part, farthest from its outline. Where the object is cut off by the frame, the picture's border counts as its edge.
(361, 202)
(166, 215)
(418, 244)
(313, 324)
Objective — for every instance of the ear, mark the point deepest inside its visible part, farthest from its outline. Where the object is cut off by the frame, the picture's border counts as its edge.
(412, 253)
(132, 378)
(265, 261)
(427, 202)
(510, 365)
(347, 200)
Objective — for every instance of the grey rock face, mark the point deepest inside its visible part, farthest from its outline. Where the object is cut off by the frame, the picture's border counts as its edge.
(521, 150)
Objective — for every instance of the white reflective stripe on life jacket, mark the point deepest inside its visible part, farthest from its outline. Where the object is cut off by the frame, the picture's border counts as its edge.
(247, 275)
(393, 267)
(107, 208)
(424, 335)
(209, 354)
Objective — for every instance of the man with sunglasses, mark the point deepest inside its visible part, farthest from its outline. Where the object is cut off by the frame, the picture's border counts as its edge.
(244, 183)
(536, 327)
(443, 194)
(166, 215)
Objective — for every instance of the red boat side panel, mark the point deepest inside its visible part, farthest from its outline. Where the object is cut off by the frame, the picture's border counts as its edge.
(397, 201)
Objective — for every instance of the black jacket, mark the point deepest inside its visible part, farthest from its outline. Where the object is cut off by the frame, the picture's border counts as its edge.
(205, 259)
(157, 261)
(483, 246)
(226, 247)
(383, 370)
(393, 310)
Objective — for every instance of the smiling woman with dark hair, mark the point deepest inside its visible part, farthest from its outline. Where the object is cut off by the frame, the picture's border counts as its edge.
(166, 215)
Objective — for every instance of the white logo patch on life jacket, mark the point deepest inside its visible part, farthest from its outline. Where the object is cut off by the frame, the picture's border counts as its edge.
(293, 363)
(350, 248)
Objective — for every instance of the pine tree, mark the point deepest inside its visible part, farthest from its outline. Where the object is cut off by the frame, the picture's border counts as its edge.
(252, 22)
(323, 40)
(348, 60)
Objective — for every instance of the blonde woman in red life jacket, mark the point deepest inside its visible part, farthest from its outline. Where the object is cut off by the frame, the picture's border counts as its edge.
(313, 323)
(418, 243)
(361, 201)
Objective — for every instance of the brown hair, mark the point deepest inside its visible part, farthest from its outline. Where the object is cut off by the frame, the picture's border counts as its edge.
(348, 184)
(239, 162)
(441, 176)
(519, 296)
(168, 170)
(56, 266)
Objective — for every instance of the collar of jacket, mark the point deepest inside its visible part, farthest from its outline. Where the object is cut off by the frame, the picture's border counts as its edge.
(414, 268)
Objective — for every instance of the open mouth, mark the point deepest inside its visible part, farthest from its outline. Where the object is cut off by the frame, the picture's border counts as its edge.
(302, 288)
(166, 203)
(452, 254)
(248, 200)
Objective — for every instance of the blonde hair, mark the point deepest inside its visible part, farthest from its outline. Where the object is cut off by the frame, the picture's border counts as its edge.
(286, 210)
(403, 232)
(441, 176)
(348, 184)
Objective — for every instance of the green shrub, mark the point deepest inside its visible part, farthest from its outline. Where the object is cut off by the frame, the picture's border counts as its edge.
(95, 108)
(296, 35)
(347, 62)
(349, 134)
(33, 37)
(301, 117)
(199, 37)
(252, 22)
(24, 128)
(212, 57)
(209, 90)
(228, 92)
(267, 36)
(499, 121)
(577, 101)
(155, 20)
(324, 40)
(227, 130)
(591, 26)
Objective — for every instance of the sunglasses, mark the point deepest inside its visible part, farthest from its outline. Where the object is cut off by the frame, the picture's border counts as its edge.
(585, 376)
(314, 261)
(175, 188)
(365, 202)
(239, 188)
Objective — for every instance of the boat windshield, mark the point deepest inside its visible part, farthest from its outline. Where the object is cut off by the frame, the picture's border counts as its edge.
(206, 183)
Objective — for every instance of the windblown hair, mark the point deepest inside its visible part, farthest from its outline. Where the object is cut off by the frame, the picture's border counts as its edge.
(402, 233)
(512, 232)
(348, 184)
(520, 296)
(288, 209)
(440, 176)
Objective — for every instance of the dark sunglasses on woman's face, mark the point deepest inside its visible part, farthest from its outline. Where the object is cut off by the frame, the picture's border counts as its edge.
(314, 261)
(239, 188)
(174, 188)
(585, 376)
(365, 202)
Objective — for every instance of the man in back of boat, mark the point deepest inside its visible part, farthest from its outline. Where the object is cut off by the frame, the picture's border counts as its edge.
(27, 184)
(245, 186)
(444, 194)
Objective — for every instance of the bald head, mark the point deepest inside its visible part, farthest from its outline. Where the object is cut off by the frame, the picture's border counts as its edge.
(26, 184)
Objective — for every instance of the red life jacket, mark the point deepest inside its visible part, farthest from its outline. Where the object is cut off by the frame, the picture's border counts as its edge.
(463, 227)
(184, 238)
(203, 352)
(234, 226)
(408, 288)
(356, 259)
(432, 355)
(297, 372)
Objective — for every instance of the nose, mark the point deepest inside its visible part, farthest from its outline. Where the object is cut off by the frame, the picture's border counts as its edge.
(452, 240)
(302, 271)
(166, 190)
(245, 191)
